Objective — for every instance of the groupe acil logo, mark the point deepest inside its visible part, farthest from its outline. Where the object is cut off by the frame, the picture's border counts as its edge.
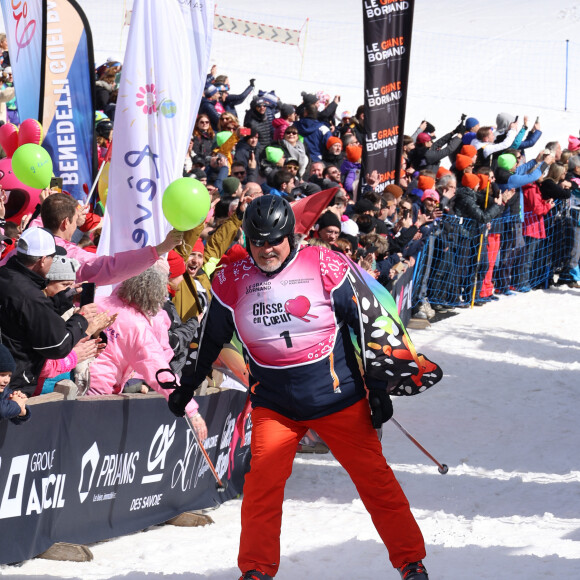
(111, 470)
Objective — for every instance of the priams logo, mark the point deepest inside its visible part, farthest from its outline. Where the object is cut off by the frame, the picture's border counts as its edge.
(115, 469)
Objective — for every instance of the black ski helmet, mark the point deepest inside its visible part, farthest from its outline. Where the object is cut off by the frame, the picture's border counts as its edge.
(268, 218)
(104, 128)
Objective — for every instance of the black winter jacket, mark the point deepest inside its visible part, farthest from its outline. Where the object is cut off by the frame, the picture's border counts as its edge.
(466, 206)
(32, 329)
(262, 125)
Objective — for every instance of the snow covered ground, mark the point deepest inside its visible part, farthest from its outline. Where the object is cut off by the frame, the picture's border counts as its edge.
(505, 416)
(504, 420)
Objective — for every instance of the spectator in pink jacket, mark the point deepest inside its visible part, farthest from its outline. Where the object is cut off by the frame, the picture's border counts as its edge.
(280, 124)
(138, 341)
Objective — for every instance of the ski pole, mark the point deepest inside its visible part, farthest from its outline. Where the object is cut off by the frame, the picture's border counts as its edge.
(221, 487)
(172, 384)
(443, 469)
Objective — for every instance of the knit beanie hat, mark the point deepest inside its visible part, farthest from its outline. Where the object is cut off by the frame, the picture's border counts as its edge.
(286, 111)
(471, 122)
(63, 268)
(430, 194)
(363, 205)
(462, 162)
(327, 219)
(425, 182)
(210, 91)
(423, 138)
(222, 137)
(349, 227)
(506, 161)
(469, 150)
(308, 98)
(470, 180)
(230, 185)
(395, 190)
(332, 141)
(441, 172)
(354, 153)
(483, 181)
(273, 154)
(7, 364)
(176, 264)
(198, 246)
(468, 138)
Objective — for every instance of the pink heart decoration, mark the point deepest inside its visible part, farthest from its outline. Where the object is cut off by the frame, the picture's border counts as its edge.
(298, 306)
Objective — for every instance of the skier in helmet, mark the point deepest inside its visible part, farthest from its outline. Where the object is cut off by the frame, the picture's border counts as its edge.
(291, 308)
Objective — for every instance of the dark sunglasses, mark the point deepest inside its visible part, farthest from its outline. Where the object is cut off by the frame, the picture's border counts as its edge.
(291, 132)
(261, 243)
(238, 173)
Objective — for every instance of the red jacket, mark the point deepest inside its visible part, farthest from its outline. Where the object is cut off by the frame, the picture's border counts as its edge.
(535, 208)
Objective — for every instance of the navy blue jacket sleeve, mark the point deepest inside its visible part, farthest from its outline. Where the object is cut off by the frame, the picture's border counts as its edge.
(218, 329)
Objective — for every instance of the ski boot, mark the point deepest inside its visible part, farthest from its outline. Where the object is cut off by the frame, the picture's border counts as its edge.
(413, 571)
(255, 575)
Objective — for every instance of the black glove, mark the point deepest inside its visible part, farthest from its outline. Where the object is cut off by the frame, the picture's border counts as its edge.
(178, 400)
(252, 82)
(460, 129)
(381, 407)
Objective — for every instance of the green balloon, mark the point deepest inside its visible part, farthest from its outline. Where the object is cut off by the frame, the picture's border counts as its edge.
(32, 165)
(185, 203)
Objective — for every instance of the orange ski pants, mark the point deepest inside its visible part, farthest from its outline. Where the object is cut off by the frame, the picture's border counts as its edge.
(354, 443)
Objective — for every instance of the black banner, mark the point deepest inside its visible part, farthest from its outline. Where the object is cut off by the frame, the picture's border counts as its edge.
(87, 470)
(402, 292)
(387, 26)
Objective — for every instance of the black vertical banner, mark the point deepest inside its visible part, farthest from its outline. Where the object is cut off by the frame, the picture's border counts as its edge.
(387, 26)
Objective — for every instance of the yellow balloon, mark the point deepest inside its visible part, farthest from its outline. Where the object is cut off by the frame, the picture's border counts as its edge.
(103, 185)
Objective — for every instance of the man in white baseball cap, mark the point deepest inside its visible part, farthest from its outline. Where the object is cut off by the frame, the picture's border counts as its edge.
(30, 322)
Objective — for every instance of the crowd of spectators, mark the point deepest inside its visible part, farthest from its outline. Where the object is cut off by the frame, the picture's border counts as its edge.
(470, 212)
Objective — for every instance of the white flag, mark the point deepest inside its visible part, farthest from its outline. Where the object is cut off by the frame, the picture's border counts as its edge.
(162, 80)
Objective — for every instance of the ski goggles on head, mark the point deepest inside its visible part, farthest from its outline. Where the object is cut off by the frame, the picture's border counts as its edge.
(274, 242)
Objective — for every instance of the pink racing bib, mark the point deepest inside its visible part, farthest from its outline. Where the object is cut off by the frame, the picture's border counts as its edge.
(287, 319)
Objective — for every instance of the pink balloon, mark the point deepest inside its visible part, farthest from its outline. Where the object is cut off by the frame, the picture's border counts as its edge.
(9, 138)
(30, 132)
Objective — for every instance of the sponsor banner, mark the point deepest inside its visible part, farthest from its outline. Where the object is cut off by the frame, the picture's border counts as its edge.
(67, 106)
(88, 470)
(23, 21)
(163, 78)
(387, 26)
(402, 292)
